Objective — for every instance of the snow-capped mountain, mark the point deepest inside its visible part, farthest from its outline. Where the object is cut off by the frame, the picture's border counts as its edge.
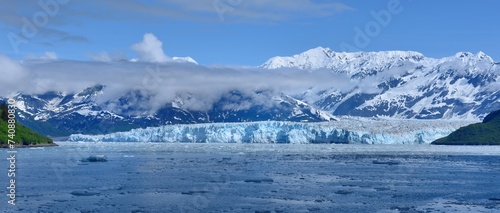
(175, 59)
(409, 84)
(324, 58)
(346, 130)
(59, 114)
(184, 59)
(121, 96)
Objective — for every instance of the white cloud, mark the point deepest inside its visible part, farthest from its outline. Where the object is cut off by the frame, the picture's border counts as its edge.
(13, 76)
(150, 49)
(199, 86)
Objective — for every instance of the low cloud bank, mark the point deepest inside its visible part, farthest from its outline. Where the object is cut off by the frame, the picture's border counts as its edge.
(157, 84)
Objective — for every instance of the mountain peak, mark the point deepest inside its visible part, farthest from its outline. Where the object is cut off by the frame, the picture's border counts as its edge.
(472, 58)
(184, 60)
(321, 57)
(482, 56)
(463, 54)
(319, 49)
(91, 91)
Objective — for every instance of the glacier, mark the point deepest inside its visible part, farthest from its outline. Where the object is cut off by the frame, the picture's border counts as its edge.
(351, 130)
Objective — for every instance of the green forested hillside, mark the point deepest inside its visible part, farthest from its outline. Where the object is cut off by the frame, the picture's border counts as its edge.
(485, 133)
(23, 135)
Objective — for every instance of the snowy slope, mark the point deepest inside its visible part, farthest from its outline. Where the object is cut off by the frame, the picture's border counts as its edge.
(320, 57)
(184, 59)
(347, 130)
(402, 84)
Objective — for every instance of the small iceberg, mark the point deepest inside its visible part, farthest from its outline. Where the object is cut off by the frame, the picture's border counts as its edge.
(390, 162)
(95, 158)
(37, 148)
(259, 180)
(84, 193)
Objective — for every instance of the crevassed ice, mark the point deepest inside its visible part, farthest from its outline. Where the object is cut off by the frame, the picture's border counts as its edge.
(347, 130)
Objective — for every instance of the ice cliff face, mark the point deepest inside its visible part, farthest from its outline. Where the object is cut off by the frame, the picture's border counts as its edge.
(348, 130)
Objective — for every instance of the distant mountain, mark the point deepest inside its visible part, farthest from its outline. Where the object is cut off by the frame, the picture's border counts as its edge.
(184, 59)
(61, 114)
(409, 84)
(485, 133)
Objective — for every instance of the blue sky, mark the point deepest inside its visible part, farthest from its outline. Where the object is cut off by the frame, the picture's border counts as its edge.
(246, 32)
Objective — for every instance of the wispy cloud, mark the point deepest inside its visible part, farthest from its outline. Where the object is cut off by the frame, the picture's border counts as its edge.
(41, 22)
(195, 10)
(58, 17)
(266, 10)
(234, 11)
(45, 56)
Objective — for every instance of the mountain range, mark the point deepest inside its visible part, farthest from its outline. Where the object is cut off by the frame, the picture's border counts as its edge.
(410, 85)
(60, 114)
(396, 84)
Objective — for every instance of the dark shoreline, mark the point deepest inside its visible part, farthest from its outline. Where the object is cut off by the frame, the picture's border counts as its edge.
(6, 146)
(461, 143)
